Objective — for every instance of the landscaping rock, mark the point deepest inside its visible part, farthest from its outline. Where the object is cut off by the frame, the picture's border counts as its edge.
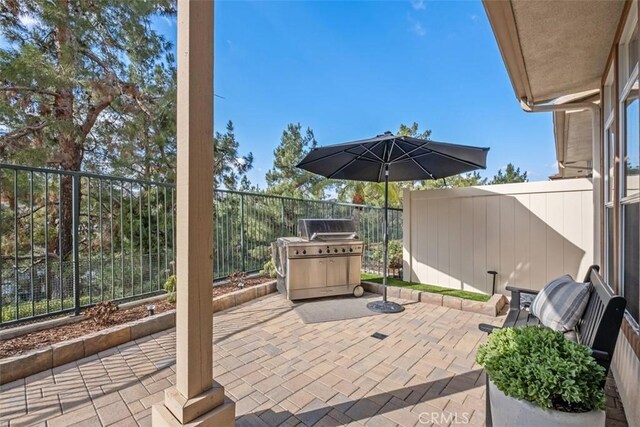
(18, 367)
(108, 338)
(452, 302)
(429, 298)
(262, 290)
(495, 305)
(223, 302)
(153, 324)
(271, 287)
(245, 295)
(474, 306)
(406, 293)
(392, 291)
(67, 351)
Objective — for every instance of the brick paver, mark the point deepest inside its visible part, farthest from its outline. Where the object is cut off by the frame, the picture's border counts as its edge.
(280, 372)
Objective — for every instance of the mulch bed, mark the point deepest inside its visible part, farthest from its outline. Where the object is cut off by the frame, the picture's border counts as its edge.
(46, 337)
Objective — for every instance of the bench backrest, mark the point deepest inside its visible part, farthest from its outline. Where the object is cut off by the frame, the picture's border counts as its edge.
(600, 323)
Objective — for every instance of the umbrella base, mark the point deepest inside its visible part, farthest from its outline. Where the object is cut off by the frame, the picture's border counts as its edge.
(385, 307)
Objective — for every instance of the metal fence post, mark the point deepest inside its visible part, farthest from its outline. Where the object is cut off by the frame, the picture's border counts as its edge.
(75, 225)
(242, 248)
(282, 217)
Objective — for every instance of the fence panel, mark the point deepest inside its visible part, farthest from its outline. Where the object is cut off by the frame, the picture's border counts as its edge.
(69, 240)
(528, 233)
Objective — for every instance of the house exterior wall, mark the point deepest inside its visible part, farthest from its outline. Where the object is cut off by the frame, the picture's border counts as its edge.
(615, 81)
(529, 233)
(626, 371)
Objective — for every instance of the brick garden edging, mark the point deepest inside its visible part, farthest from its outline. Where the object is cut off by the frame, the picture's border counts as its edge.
(21, 366)
(490, 308)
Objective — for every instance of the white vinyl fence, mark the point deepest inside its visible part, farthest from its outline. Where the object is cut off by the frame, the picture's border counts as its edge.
(529, 233)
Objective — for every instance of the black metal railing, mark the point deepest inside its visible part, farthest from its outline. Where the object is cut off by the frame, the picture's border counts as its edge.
(72, 239)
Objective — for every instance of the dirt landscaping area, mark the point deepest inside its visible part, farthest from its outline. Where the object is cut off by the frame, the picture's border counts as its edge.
(34, 340)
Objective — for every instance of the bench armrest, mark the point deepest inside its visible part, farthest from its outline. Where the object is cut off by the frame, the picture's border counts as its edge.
(515, 295)
(600, 356)
(521, 290)
(485, 327)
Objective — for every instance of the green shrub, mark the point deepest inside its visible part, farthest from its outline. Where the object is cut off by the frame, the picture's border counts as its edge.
(541, 366)
(170, 287)
(269, 269)
(394, 253)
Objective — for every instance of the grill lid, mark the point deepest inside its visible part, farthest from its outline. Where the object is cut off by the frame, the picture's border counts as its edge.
(327, 229)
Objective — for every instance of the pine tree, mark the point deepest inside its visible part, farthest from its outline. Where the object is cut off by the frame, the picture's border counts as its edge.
(70, 71)
(511, 175)
(229, 166)
(285, 178)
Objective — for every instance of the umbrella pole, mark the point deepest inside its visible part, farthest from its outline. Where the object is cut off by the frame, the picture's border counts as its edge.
(385, 235)
(385, 306)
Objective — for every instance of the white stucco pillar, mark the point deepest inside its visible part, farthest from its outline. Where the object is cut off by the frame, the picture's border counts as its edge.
(196, 398)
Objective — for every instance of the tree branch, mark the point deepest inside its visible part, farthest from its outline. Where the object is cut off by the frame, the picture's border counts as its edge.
(92, 115)
(26, 89)
(22, 132)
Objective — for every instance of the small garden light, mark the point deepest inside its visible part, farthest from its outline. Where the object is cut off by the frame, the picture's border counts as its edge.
(150, 309)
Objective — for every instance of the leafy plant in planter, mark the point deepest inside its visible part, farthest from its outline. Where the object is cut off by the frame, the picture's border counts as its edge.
(541, 366)
(170, 287)
(269, 269)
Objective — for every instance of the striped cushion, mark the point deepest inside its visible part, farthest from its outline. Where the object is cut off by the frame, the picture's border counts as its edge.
(560, 304)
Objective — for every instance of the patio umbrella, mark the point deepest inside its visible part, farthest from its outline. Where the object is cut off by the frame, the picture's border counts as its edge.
(390, 157)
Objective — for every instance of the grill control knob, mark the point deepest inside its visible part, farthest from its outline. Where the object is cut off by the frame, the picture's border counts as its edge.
(343, 249)
(297, 252)
(319, 251)
(335, 250)
(304, 252)
(350, 249)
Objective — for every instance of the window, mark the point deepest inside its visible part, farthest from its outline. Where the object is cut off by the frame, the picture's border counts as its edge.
(628, 170)
(632, 52)
(609, 156)
(631, 155)
(609, 260)
(631, 255)
(609, 178)
(610, 164)
(630, 200)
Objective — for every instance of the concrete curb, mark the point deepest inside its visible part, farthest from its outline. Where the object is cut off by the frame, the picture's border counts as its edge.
(489, 308)
(17, 367)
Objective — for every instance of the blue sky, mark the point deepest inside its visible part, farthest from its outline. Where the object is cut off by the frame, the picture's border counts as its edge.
(352, 70)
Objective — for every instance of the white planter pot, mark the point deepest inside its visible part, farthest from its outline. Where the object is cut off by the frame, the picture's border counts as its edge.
(509, 412)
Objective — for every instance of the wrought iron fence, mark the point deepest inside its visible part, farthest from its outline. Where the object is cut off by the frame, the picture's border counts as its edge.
(69, 239)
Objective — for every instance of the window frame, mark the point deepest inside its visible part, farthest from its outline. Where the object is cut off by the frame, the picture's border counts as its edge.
(628, 81)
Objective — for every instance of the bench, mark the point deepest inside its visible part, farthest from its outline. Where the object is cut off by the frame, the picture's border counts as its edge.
(597, 328)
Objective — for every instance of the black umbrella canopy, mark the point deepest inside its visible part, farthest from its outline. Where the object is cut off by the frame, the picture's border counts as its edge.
(407, 158)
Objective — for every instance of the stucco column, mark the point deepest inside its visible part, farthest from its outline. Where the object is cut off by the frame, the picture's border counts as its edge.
(196, 398)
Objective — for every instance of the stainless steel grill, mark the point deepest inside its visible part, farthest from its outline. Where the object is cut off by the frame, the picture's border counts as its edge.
(325, 259)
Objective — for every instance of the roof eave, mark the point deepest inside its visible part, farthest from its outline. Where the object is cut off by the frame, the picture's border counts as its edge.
(503, 24)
